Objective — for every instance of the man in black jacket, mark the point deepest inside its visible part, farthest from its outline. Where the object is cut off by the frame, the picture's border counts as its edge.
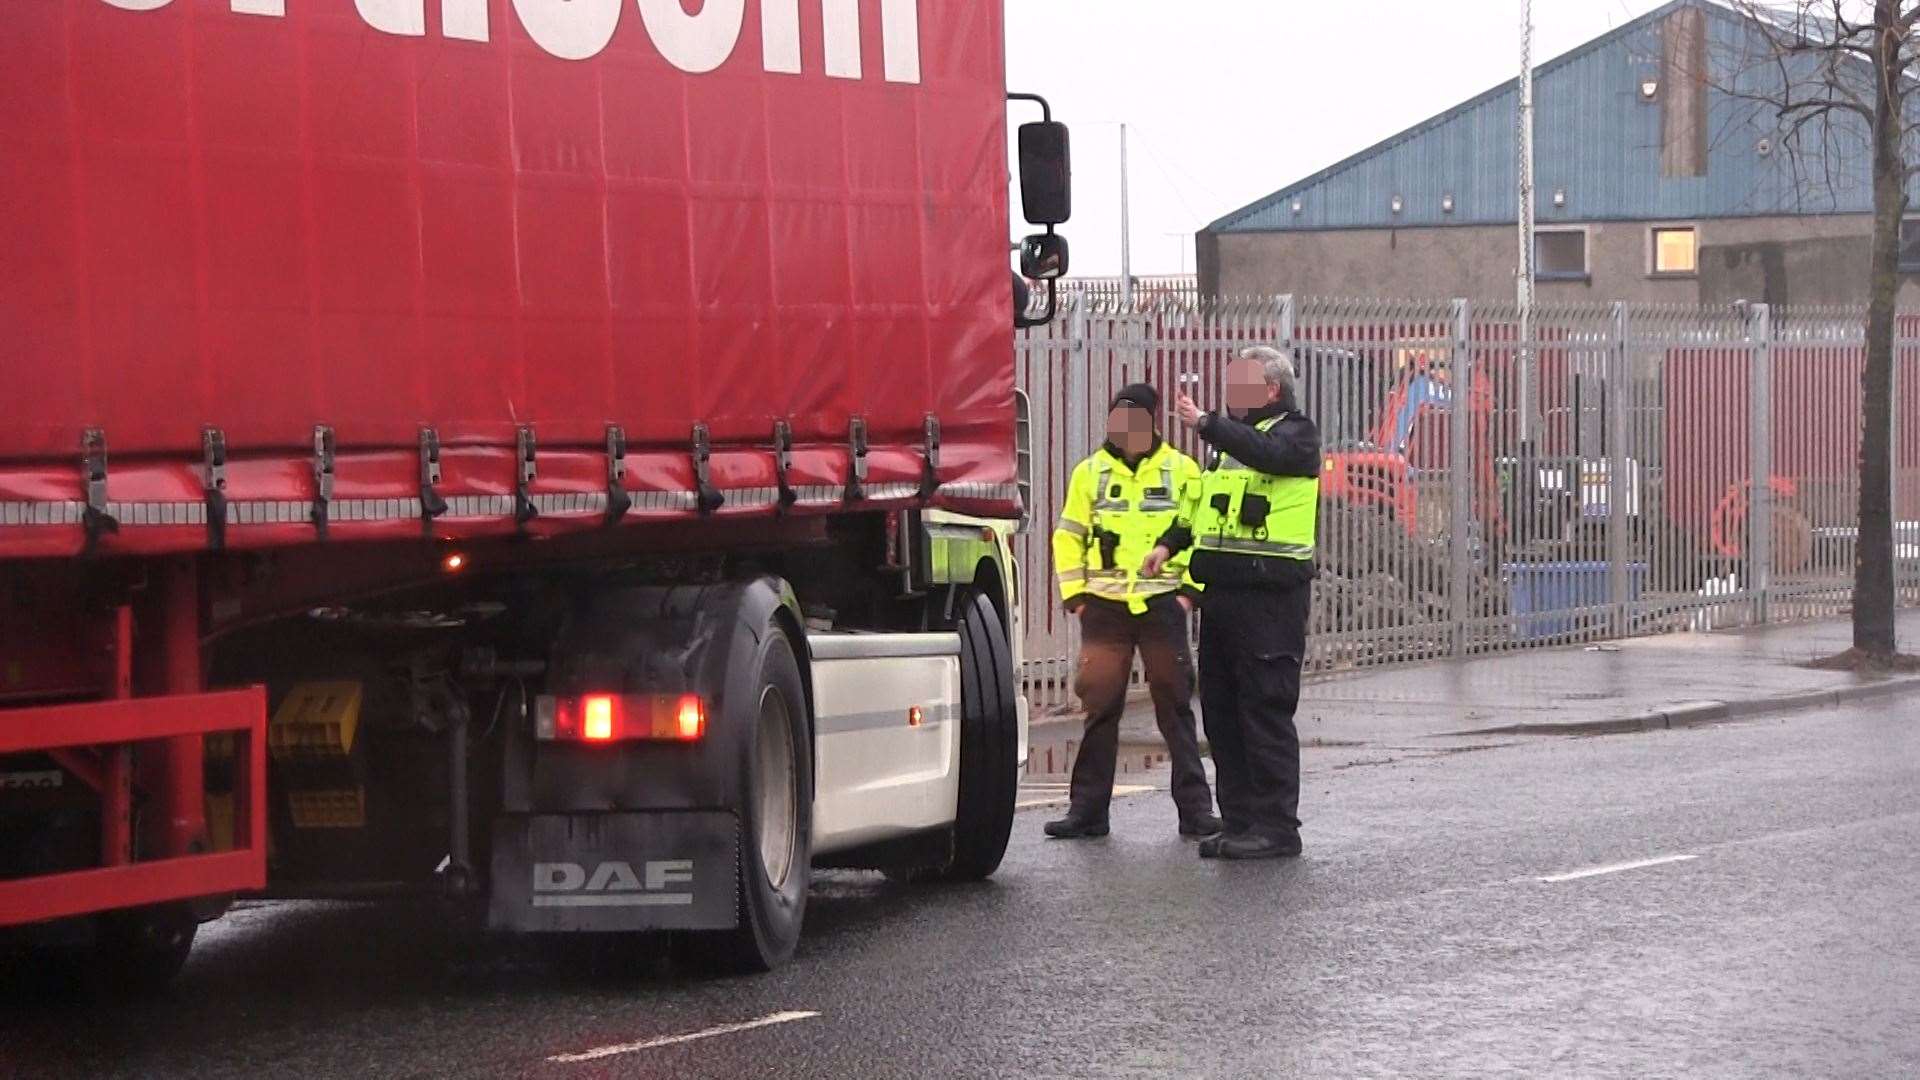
(1252, 527)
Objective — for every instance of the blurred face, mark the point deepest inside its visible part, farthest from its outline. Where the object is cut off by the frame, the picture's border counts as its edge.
(1247, 387)
(1130, 429)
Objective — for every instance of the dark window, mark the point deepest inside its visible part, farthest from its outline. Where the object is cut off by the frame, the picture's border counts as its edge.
(1910, 245)
(1560, 255)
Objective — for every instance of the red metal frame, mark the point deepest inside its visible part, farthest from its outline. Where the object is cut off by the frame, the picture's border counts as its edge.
(115, 725)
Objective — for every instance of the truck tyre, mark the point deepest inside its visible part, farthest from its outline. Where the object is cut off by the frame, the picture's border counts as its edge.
(137, 953)
(989, 744)
(769, 707)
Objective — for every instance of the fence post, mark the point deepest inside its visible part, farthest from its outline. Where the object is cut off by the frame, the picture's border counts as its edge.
(1617, 400)
(1285, 317)
(1760, 455)
(1460, 469)
(1893, 471)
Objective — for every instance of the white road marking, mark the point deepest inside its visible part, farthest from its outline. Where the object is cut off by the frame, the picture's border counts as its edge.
(671, 1040)
(1614, 868)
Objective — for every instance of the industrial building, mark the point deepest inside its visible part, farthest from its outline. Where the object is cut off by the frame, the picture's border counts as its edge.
(1652, 184)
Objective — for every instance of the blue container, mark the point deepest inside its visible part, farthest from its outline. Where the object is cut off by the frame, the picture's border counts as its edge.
(1546, 597)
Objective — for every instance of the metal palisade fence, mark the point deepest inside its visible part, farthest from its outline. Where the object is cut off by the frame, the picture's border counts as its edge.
(1629, 470)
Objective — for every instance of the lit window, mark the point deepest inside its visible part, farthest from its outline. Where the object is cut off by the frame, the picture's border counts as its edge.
(1560, 255)
(1675, 250)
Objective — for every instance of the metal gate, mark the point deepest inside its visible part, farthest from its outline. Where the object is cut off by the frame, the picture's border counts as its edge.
(1627, 470)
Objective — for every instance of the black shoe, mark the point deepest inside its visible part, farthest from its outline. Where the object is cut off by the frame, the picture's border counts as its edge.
(1255, 846)
(1075, 828)
(1202, 825)
(1210, 847)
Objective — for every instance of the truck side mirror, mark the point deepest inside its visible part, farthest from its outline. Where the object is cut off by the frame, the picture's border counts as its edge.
(1046, 173)
(1043, 257)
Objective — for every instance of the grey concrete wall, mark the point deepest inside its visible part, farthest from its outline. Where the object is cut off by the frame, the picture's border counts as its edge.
(1800, 260)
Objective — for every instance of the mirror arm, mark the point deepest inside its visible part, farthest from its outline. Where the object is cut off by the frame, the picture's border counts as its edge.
(1046, 110)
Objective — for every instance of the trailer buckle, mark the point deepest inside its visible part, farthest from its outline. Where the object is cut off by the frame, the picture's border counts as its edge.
(213, 445)
(707, 498)
(857, 442)
(93, 466)
(523, 508)
(618, 501)
(432, 503)
(782, 462)
(930, 464)
(323, 446)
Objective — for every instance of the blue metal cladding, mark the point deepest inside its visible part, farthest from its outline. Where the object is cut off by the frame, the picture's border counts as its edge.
(1595, 139)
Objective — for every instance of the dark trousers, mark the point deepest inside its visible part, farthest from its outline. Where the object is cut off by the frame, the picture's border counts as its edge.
(1249, 687)
(1109, 634)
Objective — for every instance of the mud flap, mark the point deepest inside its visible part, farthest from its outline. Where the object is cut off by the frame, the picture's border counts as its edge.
(660, 870)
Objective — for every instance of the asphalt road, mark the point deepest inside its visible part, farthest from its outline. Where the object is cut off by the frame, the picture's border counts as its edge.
(1416, 937)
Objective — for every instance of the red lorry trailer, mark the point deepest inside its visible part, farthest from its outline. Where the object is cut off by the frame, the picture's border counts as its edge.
(558, 454)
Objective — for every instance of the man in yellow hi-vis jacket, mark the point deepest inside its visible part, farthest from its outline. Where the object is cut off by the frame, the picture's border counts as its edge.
(1119, 503)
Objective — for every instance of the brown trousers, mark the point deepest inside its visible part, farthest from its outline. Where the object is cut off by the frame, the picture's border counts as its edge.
(1109, 635)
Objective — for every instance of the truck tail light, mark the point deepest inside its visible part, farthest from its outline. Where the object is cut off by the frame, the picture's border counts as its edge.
(692, 717)
(604, 718)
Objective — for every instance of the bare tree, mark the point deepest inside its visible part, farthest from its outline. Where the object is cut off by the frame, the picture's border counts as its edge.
(1837, 76)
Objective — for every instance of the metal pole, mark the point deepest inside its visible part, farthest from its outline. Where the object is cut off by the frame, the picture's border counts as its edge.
(1126, 229)
(1525, 267)
(1623, 490)
(1760, 453)
(1460, 464)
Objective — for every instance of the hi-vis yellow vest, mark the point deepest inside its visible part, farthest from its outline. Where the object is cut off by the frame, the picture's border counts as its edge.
(1247, 512)
(1112, 517)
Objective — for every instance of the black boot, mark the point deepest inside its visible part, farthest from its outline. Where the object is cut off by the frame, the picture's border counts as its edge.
(1201, 825)
(1256, 846)
(1076, 827)
(1210, 847)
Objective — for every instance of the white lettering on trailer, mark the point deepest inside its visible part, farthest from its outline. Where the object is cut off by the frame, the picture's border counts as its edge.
(841, 20)
(900, 39)
(612, 884)
(407, 18)
(464, 20)
(569, 29)
(696, 43)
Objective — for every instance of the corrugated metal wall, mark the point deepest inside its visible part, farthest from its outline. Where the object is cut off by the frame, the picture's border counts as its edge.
(1596, 139)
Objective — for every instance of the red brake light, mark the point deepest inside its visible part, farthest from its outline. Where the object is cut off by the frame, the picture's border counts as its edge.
(598, 709)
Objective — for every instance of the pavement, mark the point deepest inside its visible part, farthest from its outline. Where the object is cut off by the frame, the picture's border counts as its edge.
(1732, 900)
(1629, 685)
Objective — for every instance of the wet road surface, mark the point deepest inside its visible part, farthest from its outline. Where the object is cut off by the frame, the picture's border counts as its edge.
(1735, 900)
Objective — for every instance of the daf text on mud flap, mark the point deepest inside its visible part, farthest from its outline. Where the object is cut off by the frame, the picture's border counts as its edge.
(611, 884)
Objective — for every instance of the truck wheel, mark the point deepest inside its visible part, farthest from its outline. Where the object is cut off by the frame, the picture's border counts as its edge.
(989, 745)
(776, 772)
(137, 953)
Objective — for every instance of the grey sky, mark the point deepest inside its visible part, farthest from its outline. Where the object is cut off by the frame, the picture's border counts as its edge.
(1229, 100)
